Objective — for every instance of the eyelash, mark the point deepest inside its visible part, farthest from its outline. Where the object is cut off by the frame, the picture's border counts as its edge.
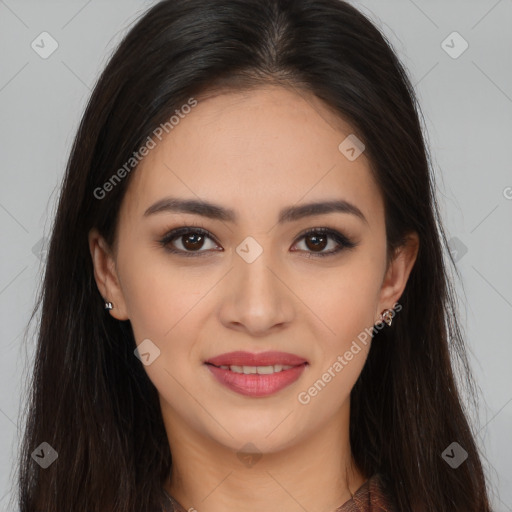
(342, 240)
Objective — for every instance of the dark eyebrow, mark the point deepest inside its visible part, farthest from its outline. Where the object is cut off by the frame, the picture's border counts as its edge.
(214, 211)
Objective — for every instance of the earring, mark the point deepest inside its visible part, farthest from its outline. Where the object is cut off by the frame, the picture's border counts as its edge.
(108, 305)
(387, 316)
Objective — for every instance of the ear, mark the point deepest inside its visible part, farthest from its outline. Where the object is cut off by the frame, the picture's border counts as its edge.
(398, 273)
(105, 274)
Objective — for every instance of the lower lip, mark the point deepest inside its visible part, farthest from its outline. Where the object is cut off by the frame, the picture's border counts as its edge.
(254, 384)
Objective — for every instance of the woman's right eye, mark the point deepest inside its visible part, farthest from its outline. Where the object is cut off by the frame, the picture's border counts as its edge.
(190, 239)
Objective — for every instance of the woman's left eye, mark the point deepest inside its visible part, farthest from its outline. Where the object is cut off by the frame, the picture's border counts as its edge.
(315, 240)
(318, 238)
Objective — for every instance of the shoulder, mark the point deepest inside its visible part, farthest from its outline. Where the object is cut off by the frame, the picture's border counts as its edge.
(380, 496)
(372, 496)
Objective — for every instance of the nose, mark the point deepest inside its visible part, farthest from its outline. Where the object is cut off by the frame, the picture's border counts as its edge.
(256, 297)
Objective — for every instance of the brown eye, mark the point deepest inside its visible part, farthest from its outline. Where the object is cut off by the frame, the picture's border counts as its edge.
(193, 241)
(318, 239)
(188, 241)
(316, 242)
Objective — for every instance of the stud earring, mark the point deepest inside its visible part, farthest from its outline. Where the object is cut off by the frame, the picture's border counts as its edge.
(108, 305)
(387, 316)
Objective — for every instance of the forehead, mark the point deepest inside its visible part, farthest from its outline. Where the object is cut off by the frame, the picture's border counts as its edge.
(255, 151)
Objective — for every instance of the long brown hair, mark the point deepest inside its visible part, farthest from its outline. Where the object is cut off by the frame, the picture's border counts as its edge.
(90, 398)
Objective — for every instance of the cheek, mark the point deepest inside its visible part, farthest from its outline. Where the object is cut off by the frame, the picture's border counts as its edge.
(157, 293)
(346, 307)
(345, 300)
(161, 300)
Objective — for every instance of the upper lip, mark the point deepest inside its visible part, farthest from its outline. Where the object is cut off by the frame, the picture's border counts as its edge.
(270, 358)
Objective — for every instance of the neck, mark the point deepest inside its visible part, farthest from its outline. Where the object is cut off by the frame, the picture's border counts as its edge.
(318, 475)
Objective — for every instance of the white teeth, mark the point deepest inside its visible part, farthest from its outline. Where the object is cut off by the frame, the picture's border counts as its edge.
(261, 370)
(264, 370)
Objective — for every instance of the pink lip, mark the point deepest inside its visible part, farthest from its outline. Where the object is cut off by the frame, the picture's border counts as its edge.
(256, 385)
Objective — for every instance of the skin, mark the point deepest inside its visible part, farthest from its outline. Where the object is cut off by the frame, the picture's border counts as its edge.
(254, 152)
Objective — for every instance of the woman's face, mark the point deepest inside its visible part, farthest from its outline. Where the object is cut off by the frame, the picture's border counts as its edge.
(254, 283)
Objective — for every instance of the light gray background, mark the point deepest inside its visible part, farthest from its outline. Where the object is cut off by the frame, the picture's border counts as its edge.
(467, 104)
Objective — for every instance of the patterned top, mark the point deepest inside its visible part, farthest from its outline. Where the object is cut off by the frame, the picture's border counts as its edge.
(370, 497)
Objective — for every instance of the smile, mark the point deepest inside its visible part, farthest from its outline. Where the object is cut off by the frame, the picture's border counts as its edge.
(260, 370)
(256, 381)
